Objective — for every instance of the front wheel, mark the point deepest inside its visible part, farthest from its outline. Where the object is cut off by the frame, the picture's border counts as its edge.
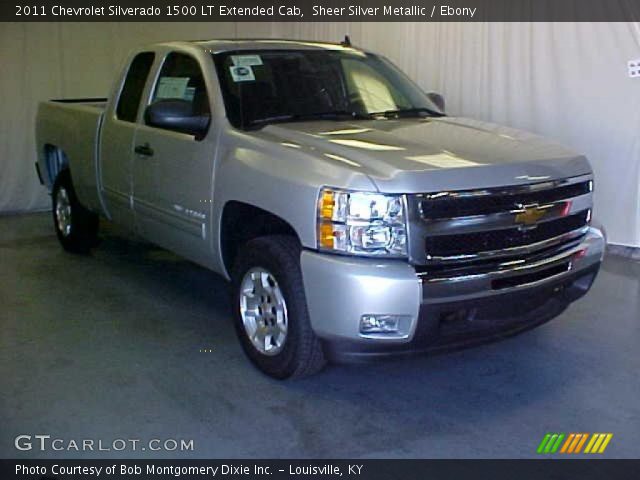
(270, 309)
(76, 227)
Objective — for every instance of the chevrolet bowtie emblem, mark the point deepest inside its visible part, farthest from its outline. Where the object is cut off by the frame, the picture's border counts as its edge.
(529, 214)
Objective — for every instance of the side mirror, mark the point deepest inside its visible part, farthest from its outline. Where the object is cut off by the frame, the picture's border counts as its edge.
(175, 114)
(437, 100)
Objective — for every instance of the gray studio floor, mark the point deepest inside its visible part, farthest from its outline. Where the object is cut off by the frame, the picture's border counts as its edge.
(109, 346)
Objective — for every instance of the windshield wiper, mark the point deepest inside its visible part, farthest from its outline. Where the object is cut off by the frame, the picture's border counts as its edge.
(273, 119)
(299, 117)
(337, 115)
(420, 111)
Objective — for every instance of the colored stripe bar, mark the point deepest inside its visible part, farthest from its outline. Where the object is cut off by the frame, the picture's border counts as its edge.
(572, 443)
(550, 443)
(591, 442)
(556, 445)
(581, 443)
(568, 442)
(596, 446)
(572, 447)
(606, 442)
(543, 443)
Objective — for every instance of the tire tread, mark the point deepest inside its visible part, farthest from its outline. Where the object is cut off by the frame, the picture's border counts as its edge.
(308, 357)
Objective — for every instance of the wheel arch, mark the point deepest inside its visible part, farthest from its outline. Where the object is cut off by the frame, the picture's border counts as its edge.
(241, 222)
(55, 161)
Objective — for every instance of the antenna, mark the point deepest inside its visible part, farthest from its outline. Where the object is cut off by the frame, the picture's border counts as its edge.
(346, 42)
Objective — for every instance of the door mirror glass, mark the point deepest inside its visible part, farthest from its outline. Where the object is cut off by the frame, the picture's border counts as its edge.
(177, 115)
(437, 99)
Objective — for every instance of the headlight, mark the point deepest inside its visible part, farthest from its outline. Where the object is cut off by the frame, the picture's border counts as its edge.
(362, 223)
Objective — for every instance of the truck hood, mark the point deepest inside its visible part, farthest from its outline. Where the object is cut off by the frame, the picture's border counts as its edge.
(431, 154)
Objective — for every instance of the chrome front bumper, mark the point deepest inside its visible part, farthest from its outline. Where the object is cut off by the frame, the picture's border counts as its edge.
(340, 289)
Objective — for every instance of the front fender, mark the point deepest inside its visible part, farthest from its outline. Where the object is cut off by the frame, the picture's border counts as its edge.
(283, 181)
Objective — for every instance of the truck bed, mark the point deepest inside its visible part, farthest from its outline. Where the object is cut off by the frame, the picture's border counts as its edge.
(73, 127)
(100, 103)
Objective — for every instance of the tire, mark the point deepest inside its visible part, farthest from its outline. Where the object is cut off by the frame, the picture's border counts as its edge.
(272, 263)
(76, 227)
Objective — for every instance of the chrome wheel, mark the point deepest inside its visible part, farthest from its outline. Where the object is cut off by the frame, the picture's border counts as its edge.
(263, 311)
(63, 212)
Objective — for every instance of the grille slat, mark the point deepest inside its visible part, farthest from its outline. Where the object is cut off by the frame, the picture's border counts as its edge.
(473, 243)
(460, 204)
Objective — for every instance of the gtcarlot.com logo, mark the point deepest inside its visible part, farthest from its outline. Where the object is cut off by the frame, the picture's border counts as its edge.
(46, 442)
(573, 443)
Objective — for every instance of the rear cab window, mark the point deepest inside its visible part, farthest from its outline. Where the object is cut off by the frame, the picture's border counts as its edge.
(131, 94)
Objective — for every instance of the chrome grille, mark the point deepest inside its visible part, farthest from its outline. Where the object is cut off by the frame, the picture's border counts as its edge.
(493, 240)
(466, 227)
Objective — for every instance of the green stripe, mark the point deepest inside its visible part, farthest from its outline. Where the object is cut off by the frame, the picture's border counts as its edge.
(550, 443)
(543, 442)
(557, 444)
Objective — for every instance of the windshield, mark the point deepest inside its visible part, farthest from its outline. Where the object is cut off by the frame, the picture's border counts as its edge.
(261, 87)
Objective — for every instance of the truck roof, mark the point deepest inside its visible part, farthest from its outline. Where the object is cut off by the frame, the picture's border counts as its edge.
(228, 44)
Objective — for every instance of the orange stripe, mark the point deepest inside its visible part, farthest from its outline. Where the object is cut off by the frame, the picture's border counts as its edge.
(574, 443)
(566, 444)
(584, 439)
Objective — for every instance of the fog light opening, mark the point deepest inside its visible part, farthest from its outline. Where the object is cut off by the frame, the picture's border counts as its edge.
(383, 324)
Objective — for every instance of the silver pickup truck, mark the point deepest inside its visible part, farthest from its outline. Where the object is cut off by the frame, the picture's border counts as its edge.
(353, 217)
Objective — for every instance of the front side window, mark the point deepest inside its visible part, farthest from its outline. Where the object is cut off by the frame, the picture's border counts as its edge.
(261, 87)
(181, 79)
(129, 101)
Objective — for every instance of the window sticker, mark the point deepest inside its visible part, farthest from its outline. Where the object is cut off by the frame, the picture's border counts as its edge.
(246, 60)
(189, 93)
(242, 74)
(171, 87)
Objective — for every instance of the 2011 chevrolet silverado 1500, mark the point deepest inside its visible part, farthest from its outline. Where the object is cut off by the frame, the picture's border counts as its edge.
(352, 216)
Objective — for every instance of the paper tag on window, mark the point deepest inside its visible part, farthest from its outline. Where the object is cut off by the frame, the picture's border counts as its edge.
(171, 87)
(242, 74)
(189, 93)
(246, 60)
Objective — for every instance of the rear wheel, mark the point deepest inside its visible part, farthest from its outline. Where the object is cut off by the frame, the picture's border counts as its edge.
(76, 227)
(270, 310)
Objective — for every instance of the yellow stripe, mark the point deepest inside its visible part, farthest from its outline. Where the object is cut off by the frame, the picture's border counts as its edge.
(596, 445)
(574, 443)
(591, 442)
(567, 442)
(584, 439)
(607, 439)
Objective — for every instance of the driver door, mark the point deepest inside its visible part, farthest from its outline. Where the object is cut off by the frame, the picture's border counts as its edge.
(172, 170)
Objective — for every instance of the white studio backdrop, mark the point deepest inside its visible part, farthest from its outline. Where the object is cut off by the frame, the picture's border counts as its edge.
(566, 81)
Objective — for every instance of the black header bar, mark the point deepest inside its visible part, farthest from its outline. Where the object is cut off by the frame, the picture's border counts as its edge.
(320, 10)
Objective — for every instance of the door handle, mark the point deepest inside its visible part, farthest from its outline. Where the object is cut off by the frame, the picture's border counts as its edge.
(144, 150)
